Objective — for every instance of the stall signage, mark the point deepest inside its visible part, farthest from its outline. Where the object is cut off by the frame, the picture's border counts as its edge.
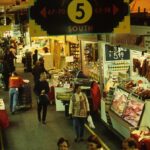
(59, 17)
(116, 53)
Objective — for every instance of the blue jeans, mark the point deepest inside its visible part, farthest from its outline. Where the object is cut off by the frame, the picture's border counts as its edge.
(78, 123)
(13, 98)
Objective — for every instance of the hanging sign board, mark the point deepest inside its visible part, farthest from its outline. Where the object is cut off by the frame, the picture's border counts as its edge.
(116, 53)
(59, 17)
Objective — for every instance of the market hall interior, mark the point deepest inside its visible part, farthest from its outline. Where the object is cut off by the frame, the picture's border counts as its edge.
(113, 70)
(26, 133)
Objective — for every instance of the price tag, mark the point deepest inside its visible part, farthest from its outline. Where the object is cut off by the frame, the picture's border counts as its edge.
(79, 11)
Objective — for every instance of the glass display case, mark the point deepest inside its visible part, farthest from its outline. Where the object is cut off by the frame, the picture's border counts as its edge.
(119, 102)
(127, 107)
(133, 111)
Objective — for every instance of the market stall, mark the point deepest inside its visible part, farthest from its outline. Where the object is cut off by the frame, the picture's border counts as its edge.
(126, 101)
(127, 108)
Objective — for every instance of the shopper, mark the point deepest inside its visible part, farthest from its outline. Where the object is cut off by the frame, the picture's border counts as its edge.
(79, 110)
(41, 60)
(42, 106)
(15, 82)
(35, 57)
(42, 90)
(96, 97)
(63, 144)
(9, 57)
(129, 144)
(36, 71)
(93, 143)
(6, 74)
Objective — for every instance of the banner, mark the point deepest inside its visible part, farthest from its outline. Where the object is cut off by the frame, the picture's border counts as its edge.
(59, 17)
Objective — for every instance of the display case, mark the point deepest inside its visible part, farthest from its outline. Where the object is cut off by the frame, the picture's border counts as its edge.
(133, 111)
(119, 102)
(128, 107)
(126, 111)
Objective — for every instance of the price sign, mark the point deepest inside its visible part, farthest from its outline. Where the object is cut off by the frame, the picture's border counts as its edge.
(116, 53)
(58, 17)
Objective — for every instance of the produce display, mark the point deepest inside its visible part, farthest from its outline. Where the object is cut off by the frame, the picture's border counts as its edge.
(66, 96)
(133, 111)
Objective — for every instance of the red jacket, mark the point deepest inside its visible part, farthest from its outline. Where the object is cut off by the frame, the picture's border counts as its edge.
(15, 82)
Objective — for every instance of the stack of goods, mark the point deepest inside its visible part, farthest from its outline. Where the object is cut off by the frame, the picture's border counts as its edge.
(64, 96)
(144, 93)
(139, 87)
(130, 84)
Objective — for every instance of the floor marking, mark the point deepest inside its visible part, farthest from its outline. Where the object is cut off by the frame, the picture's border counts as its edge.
(93, 133)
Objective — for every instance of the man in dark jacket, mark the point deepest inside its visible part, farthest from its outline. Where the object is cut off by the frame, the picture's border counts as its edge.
(42, 106)
(35, 56)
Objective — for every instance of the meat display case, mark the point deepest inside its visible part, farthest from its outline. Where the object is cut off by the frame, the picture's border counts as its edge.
(119, 101)
(127, 111)
(128, 107)
(133, 111)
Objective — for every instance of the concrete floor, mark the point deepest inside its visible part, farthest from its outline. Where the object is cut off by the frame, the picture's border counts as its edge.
(26, 133)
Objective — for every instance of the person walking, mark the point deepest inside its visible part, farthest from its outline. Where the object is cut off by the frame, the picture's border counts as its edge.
(9, 57)
(42, 106)
(6, 74)
(42, 90)
(35, 57)
(79, 110)
(15, 82)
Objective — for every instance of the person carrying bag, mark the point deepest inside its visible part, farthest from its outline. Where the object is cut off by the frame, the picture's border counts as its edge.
(79, 110)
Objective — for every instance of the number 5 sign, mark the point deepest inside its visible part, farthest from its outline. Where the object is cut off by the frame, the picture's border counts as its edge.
(59, 17)
(80, 11)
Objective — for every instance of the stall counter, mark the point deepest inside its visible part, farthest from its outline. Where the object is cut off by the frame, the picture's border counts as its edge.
(59, 103)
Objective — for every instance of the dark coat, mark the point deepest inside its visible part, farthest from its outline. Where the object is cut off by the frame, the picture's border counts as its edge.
(42, 85)
(43, 99)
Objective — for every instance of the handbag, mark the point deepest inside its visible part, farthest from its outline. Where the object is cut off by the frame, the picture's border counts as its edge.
(90, 122)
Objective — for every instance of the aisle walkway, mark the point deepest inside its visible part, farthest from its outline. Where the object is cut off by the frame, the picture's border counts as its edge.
(26, 133)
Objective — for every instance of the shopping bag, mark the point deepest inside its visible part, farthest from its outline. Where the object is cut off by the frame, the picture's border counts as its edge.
(90, 122)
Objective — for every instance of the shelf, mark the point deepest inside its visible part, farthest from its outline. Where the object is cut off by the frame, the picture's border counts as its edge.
(75, 52)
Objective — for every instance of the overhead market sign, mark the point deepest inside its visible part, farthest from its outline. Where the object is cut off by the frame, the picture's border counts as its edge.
(59, 17)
